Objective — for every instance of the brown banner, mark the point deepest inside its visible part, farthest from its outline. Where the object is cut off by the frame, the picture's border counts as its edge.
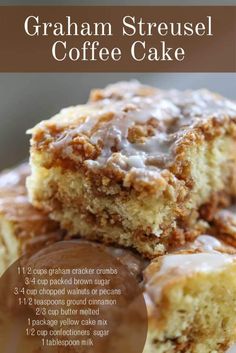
(118, 39)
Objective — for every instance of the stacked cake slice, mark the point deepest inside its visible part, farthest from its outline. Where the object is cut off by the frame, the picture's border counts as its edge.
(23, 228)
(191, 298)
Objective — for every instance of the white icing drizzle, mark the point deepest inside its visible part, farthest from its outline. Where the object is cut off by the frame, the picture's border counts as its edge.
(129, 104)
(206, 243)
(184, 264)
(209, 258)
(189, 263)
(15, 177)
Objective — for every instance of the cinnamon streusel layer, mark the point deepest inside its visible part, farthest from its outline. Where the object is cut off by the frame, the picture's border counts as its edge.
(135, 164)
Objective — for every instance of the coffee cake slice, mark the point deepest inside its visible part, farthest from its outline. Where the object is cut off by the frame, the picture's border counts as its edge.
(23, 229)
(191, 299)
(133, 165)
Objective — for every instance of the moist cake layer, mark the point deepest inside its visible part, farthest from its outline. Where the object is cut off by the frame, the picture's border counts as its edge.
(22, 227)
(134, 164)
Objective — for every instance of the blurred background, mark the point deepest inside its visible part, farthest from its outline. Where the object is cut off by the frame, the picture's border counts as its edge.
(25, 99)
